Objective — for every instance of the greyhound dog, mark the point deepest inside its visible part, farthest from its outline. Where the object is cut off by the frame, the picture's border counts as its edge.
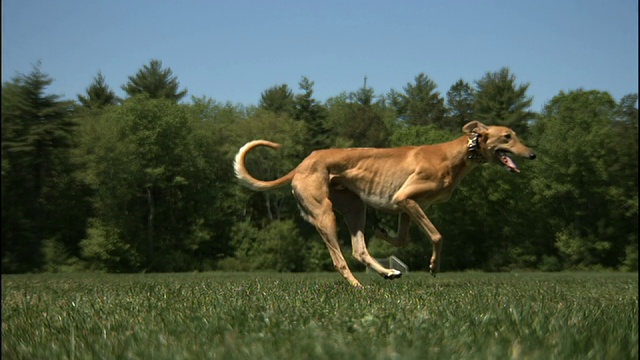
(402, 180)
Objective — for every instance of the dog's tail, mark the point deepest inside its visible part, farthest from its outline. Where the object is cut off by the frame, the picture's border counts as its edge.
(249, 181)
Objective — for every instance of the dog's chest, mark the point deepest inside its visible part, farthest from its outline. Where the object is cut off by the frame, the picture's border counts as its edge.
(372, 190)
(380, 202)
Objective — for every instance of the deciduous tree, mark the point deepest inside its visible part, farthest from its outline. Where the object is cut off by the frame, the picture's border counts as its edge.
(587, 178)
(154, 187)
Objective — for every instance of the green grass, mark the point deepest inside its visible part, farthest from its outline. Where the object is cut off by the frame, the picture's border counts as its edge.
(318, 316)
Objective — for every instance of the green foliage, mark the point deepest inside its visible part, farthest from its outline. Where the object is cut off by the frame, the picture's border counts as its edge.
(499, 101)
(630, 262)
(277, 246)
(421, 135)
(99, 94)
(36, 137)
(270, 164)
(314, 116)
(105, 250)
(579, 251)
(420, 104)
(550, 263)
(460, 101)
(317, 316)
(317, 255)
(486, 223)
(152, 183)
(581, 180)
(147, 184)
(278, 99)
(215, 195)
(58, 258)
(156, 82)
(415, 254)
(210, 111)
(358, 121)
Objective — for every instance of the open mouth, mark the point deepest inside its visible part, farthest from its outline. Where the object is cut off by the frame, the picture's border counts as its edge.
(504, 158)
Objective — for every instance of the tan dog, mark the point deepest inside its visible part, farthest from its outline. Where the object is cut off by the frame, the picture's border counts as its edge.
(403, 180)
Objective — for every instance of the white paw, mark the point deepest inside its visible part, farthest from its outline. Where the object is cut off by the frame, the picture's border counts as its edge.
(393, 274)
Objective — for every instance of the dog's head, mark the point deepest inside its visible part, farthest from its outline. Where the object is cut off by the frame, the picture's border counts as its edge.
(497, 144)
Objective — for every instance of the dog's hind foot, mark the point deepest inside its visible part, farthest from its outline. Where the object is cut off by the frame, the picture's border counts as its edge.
(393, 274)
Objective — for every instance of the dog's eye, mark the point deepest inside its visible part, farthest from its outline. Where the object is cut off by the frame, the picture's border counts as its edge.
(507, 136)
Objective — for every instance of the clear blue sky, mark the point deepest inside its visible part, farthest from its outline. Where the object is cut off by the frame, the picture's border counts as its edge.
(235, 50)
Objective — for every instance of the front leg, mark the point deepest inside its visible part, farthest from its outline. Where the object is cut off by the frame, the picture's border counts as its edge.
(400, 240)
(419, 217)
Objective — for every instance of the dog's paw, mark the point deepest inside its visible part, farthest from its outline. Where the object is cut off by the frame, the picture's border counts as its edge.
(393, 274)
(434, 267)
(433, 272)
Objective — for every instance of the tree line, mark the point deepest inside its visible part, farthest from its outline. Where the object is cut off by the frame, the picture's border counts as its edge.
(145, 183)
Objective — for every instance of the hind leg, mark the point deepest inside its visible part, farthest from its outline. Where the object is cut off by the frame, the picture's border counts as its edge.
(354, 212)
(313, 198)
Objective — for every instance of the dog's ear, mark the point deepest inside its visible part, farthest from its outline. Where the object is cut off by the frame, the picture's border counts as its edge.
(474, 126)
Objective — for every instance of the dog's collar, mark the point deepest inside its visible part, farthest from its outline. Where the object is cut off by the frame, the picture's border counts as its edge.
(473, 146)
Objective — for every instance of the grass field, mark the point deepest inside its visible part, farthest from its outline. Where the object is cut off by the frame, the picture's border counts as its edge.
(317, 316)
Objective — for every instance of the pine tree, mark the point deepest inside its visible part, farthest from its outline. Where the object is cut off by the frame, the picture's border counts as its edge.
(314, 115)
(278, 99)
(460, 99)
(499, 101)
(420, 104)
(36, 133)
(363, 96)
(99, 94)
(156, 82)
(363, 120)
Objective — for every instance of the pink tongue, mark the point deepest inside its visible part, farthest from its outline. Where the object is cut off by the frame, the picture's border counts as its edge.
(509, 163)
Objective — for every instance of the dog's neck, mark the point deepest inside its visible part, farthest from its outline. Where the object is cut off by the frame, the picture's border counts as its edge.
(473, 148)
(464, 155)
